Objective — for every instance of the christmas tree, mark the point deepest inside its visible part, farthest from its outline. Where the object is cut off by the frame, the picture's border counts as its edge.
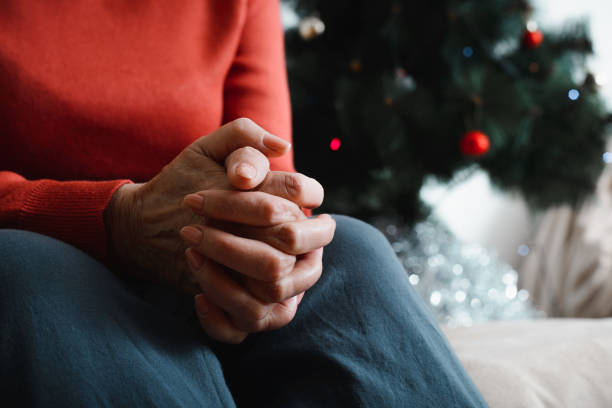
(386, 93)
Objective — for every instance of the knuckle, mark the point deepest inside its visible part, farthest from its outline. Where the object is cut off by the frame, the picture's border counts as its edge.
(314, 274)
(290, 236)
(294, 185)
(249, 150)
(279, 266)
(255, 313)
(241, 125)
(271, 210)
(242, 128)
(277, 291)
(286, 317)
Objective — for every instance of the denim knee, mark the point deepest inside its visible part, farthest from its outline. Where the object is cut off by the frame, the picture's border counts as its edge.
(363, 253)
(357, 231)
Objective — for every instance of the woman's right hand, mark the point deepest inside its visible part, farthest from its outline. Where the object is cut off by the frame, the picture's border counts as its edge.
(145, 219)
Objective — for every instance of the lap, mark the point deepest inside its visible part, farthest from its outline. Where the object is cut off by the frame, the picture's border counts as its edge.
(72, 331)
(361, 336)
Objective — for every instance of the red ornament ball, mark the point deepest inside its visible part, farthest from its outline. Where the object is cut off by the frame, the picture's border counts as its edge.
(533, 39)
(335, 144)
(474, 143)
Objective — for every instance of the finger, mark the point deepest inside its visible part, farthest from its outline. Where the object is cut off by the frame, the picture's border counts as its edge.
(245, 207)
(216, 323)
(223, 291)
(298, 188)
(246, 256)
(236, 134)
(281, 315)
(306, 273)
(246, 168)
(244, 310)
(295, 238)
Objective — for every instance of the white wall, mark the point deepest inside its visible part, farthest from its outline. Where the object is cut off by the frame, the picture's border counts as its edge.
(550, 13)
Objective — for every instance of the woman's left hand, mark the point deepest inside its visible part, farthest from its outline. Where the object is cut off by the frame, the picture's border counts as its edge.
(238, 261)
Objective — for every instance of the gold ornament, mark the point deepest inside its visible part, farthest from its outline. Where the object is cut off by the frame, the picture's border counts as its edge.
(356, 65)
(311, 27)
(534, 67)
(476, 100)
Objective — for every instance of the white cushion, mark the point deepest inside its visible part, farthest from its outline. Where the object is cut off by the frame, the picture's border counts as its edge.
(539, 363)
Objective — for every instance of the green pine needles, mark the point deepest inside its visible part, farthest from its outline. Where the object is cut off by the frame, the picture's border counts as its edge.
(401, 82)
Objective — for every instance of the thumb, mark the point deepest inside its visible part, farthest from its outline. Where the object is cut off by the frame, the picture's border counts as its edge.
(236, 134)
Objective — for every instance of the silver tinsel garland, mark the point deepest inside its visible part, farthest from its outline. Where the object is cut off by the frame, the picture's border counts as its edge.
(461, 283)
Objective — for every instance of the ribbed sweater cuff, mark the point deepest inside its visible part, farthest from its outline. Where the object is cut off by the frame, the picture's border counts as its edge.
(71, 211)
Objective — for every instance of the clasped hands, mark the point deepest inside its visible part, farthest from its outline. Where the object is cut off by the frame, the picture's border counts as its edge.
(219, 224)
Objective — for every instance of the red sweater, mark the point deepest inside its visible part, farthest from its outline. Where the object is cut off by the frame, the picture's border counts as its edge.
(97, 92)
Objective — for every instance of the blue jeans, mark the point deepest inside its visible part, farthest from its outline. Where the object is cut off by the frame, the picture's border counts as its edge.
(73, 334)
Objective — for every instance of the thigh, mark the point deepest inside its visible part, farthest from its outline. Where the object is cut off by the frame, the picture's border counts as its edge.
(73, 334)
(361, 337)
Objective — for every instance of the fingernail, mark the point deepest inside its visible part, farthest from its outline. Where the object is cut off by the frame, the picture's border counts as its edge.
(276, 143)
(201, 305)
(194, 259)
(192, 235)
(246, 171)
(194, 201)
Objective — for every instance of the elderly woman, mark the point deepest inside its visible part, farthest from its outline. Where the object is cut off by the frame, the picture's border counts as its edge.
(119, 217)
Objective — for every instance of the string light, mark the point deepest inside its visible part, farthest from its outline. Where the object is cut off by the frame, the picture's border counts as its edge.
(335, 144)
(311, 27)
(607, 157)
(468, 52)
(523, 250)
(601, 79)
(511, 292)
(461, 283)
(414, 279)
(435, 298)
(532, 25)
(573, 94)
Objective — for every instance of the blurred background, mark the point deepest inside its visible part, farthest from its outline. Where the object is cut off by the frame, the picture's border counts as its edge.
(473, 136)
(477, 212)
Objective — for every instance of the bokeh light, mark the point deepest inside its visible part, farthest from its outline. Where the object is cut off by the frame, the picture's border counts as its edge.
(335, 144)
(573, 94)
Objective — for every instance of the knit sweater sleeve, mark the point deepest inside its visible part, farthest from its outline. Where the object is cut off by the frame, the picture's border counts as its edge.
(256, 85)
(70, 211)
